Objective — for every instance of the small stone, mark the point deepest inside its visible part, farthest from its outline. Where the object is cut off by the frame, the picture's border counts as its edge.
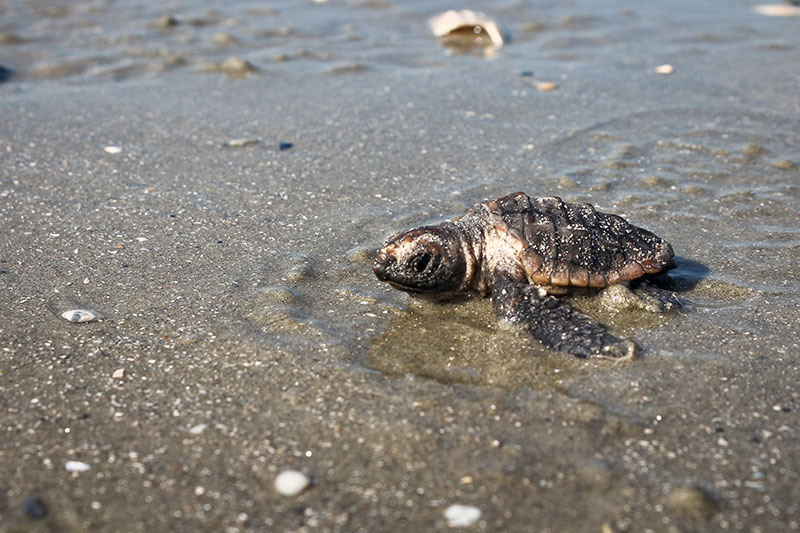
(34, 507)
(167, 21)
(664, 69)
(81, 315)
(461, 515)
(291, 483)
(118, 373)
(199, 428)
(113, 149)
(285, 146)
(691, 501)
(86, 281)
(76, 466)
(546, 86)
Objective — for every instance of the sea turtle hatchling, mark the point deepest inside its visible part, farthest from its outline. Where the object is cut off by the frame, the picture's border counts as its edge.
(522, 250)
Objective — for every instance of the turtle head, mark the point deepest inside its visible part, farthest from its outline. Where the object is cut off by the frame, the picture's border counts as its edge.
(426, 260)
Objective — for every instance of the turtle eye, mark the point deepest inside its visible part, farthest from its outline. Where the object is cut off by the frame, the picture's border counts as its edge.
(420, 262)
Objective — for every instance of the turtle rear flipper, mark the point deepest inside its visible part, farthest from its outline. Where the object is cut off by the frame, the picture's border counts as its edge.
(555, 324)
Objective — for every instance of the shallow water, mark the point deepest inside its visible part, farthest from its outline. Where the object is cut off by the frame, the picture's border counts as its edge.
(236, 289)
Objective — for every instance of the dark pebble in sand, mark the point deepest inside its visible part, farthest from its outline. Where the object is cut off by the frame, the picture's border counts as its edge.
(285, 146)
(34, 507)
(5, 73)
(526, 73)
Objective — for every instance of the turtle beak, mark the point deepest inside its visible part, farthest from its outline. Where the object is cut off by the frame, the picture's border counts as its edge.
(383, 263)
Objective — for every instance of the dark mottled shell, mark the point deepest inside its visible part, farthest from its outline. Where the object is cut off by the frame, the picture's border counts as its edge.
(570, 244)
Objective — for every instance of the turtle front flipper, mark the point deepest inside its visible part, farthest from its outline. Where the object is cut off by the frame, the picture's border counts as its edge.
(555, 324)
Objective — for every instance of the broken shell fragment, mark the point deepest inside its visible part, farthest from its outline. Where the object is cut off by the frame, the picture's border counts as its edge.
(81, 315)
(664, 69)
(239, 143)
(468, 25)
(778, 10)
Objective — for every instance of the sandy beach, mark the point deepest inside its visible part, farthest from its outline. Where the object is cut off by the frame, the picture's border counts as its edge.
(213, 181)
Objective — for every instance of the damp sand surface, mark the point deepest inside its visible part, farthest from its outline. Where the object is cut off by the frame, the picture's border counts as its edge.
(212, 180)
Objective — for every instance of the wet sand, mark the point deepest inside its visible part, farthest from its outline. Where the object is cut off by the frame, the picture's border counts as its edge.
(244, 333)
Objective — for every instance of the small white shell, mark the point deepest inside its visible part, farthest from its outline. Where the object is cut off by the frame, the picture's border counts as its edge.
(81, 315)
(76, 466)
(777, 10)
(450, 21)
(461, 515)
(291, 483)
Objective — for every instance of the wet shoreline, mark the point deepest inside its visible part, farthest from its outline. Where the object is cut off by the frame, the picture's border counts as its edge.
(244, 334)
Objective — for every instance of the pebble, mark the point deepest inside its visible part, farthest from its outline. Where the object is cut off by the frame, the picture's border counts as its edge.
(546, 86)
(665, 69)
(461, 515)
(34, 507)
(113, 149)
(118, 373)
(81, 315)
(285, 146)
(76, 466)
(291, 483)
(199, 428)
(167, 21)
(691, 501)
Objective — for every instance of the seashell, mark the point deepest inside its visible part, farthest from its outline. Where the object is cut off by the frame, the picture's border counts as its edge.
(81, 315)
(461, 515)
(464, 21)
(76, 466)
(291, 483)
(777, 10)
